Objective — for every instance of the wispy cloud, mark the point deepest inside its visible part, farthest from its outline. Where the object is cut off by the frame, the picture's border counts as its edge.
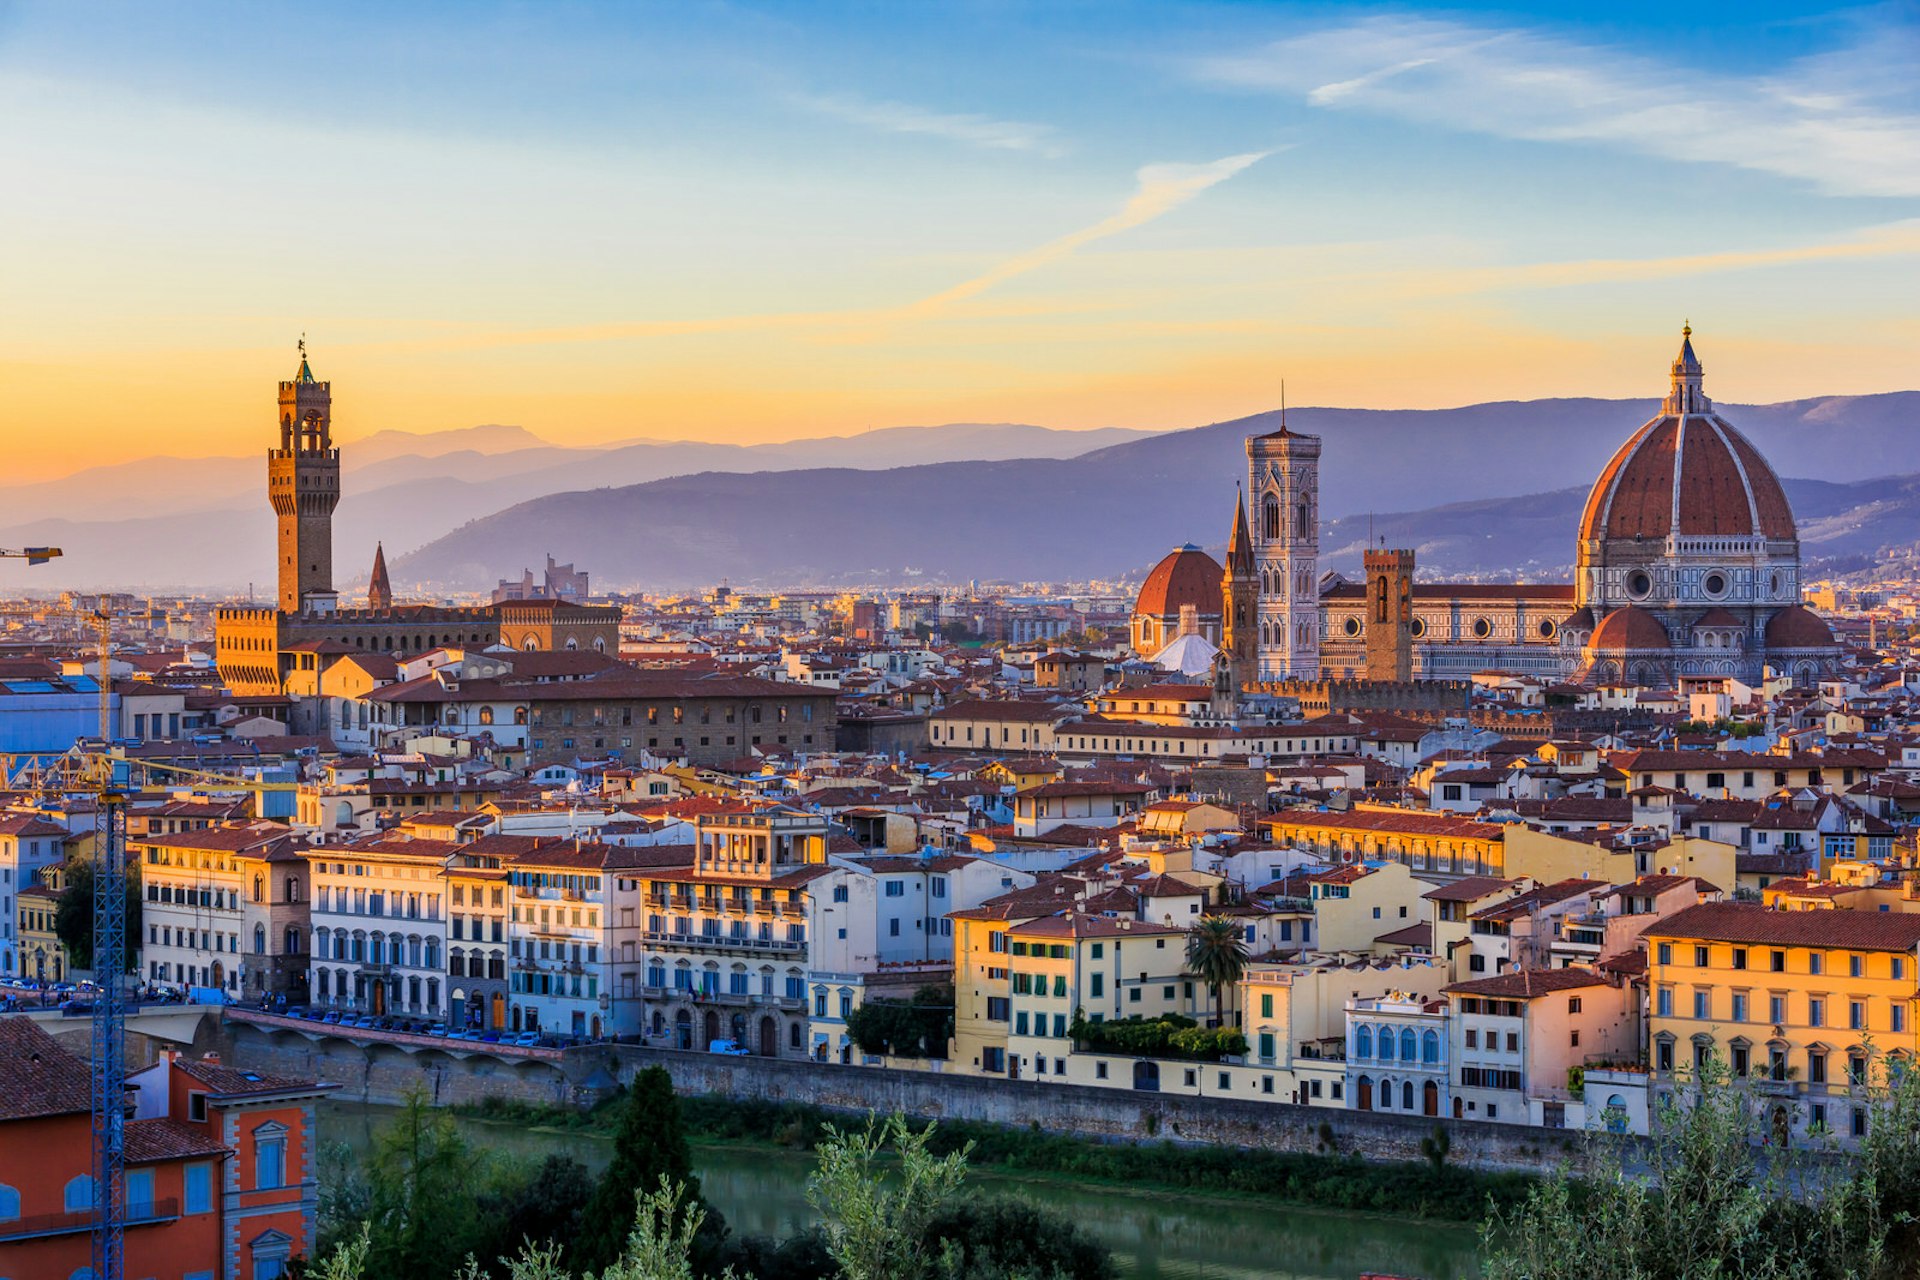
(1848, 125)
(1159, 190)
(963, 127)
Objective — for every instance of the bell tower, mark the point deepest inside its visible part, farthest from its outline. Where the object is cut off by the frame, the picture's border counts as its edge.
(1389, 614)
(1240, 606)
(303, 484)
(1283, 475)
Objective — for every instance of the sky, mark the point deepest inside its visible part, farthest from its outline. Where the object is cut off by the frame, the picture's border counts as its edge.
(762, 221)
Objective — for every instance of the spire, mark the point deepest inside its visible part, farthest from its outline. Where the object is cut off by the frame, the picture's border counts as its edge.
(306, 372)
(379, 590)
(1240, 542)
(1685, 394)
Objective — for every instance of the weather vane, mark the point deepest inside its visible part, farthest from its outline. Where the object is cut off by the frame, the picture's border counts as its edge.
(303, 345)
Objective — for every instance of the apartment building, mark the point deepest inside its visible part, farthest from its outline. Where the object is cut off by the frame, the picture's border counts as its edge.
(28, 842)
(1515, 1037)
(379, 916)
(1815, 1006)
(731, 935)
(225, 910)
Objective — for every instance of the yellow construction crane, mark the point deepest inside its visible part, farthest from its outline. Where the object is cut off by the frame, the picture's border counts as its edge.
(32, 555)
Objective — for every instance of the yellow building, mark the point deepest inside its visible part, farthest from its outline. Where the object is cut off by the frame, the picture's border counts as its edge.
(1429, 844)
(1810, 1003)
(43, 958)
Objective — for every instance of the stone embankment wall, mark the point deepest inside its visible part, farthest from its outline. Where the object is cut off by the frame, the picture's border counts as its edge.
(381, 1073)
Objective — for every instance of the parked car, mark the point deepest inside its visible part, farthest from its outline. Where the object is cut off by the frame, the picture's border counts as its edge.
(731, 1048)
(332, 1018)
(527, 1040)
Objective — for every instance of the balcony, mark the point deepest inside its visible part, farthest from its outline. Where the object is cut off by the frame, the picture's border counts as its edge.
(61, 1224)
(706, 942)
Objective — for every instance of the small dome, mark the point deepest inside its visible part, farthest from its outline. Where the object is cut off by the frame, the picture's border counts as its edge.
(1186, 576)
(1798, 627)
(1629, 627)
(1580, 619)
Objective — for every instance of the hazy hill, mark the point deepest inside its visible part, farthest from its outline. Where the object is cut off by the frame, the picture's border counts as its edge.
(1479, 488)
(1119, 508)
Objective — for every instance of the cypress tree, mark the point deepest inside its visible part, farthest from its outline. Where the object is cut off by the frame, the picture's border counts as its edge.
(650, 1142)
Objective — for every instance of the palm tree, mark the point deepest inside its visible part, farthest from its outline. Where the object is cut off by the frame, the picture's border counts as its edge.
(1217, 954)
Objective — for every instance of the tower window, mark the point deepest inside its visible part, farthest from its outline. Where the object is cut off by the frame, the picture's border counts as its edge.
(1270, 517)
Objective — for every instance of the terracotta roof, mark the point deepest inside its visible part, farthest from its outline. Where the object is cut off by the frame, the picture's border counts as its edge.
(227, 1081)
(1629, 627)
(29, 824)
(150, 1141)
(1751, 923)
(37, 1076)
(1528, 984)
(1693, 467)
(1798, 627)
(1395, 822)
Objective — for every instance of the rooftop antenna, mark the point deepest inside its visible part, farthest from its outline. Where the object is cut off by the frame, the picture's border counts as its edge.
(1283, 404)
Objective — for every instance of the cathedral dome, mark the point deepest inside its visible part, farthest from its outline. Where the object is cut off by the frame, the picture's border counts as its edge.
(1688, 465)
(1798, 628)
(1186, 576)
(1629, 627)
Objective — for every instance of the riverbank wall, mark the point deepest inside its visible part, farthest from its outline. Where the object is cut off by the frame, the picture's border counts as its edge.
(386, 1074)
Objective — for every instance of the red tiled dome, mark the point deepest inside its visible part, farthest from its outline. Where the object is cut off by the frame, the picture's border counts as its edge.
(1798, 628)
(1725, 487)
(1629, 627)
(1188, 575)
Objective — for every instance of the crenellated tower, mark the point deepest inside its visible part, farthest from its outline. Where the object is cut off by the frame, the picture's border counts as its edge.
(1283, 474)
(303, 484)
(1389, 614)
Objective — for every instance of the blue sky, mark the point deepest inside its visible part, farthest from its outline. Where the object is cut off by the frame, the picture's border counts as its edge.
(757, 221)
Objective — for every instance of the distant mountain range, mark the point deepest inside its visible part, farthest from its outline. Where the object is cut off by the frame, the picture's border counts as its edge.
(204, 522)
(1462, 484)
(1488, 490)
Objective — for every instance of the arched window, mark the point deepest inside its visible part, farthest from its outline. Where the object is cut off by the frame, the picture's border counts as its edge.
(293, 941)
(1406, 1095)
(1380, 599)
(1363, 1042)
(9, 1203)
(486, 715)
(1386, 1044)
(1270, 517)
(259, 887)
(1429, 1048)
(1406, 1044)
(259, 939)
(1303, 519)
(519, 715)
(79, 1194)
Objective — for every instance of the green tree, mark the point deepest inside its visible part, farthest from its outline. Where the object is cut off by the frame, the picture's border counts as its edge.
(878, 1190)
(1217, 954)
(916, 1028)
(1717, 1197)
(542, 1205)
(73, 915)
(650, 1144)
(421, 1183)
(995, 1239)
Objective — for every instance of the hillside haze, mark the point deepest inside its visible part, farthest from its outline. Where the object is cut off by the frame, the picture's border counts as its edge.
(1469, 483)
(1489, 490)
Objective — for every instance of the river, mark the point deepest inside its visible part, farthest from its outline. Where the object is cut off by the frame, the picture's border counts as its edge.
(1154, 1235)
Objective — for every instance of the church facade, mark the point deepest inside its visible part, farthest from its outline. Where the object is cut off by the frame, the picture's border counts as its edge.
(1688, 563)
(265, 652)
